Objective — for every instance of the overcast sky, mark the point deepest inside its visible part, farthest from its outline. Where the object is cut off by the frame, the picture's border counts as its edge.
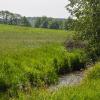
(50, 8)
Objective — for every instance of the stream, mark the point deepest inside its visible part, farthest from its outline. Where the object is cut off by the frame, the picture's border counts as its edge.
(68, 80)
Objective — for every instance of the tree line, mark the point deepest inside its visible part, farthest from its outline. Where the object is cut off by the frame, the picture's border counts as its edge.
(7, 17)
(54, 23)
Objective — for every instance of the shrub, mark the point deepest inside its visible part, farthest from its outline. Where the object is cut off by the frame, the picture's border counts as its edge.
(94, 73)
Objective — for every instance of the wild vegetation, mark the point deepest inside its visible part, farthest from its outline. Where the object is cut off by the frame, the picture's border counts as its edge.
(89, 89)
(87, 25)
(33, 57)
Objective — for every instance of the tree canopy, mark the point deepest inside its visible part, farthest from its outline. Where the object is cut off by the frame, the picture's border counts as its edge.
(7, 17)
(87, 15)
(54, 23)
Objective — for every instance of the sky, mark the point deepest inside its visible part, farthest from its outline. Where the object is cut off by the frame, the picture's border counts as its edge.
(34, 8)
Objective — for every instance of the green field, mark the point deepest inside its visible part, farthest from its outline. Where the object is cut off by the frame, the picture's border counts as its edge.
(31, 57)
(23, 37)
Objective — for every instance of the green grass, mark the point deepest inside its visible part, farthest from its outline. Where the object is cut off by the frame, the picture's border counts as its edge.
(15, 36)
(31, 57)
(89, 89)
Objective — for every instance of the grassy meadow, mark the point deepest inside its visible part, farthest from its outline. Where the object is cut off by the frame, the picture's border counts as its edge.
(31, 57)
(23, 37)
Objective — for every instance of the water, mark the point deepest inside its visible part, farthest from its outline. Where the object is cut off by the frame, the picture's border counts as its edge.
(69, 80)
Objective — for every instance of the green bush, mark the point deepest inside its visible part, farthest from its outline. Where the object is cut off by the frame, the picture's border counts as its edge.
(94, 73)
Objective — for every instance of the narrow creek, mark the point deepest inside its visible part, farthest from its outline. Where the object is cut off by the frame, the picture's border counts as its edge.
(69, 80)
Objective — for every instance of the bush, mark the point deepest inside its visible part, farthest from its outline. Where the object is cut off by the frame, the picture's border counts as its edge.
(94, 73)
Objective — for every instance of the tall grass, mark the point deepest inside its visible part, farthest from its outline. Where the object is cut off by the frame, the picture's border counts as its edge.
(31, 57)
(38, 66)
(89, 89)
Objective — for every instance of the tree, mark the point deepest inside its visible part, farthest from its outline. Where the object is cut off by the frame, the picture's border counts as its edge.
(68, 23)
(4, 16)
(53, 25)
(7, 17)
(87, 14)
(44, 22)
(37, 22)
(25, 22)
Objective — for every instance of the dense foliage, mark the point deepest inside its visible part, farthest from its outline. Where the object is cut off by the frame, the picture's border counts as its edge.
(7, 17)
(54, 23)
(87, 14)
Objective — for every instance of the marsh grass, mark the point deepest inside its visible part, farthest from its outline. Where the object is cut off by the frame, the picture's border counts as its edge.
(31, 57)
(89, 89)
